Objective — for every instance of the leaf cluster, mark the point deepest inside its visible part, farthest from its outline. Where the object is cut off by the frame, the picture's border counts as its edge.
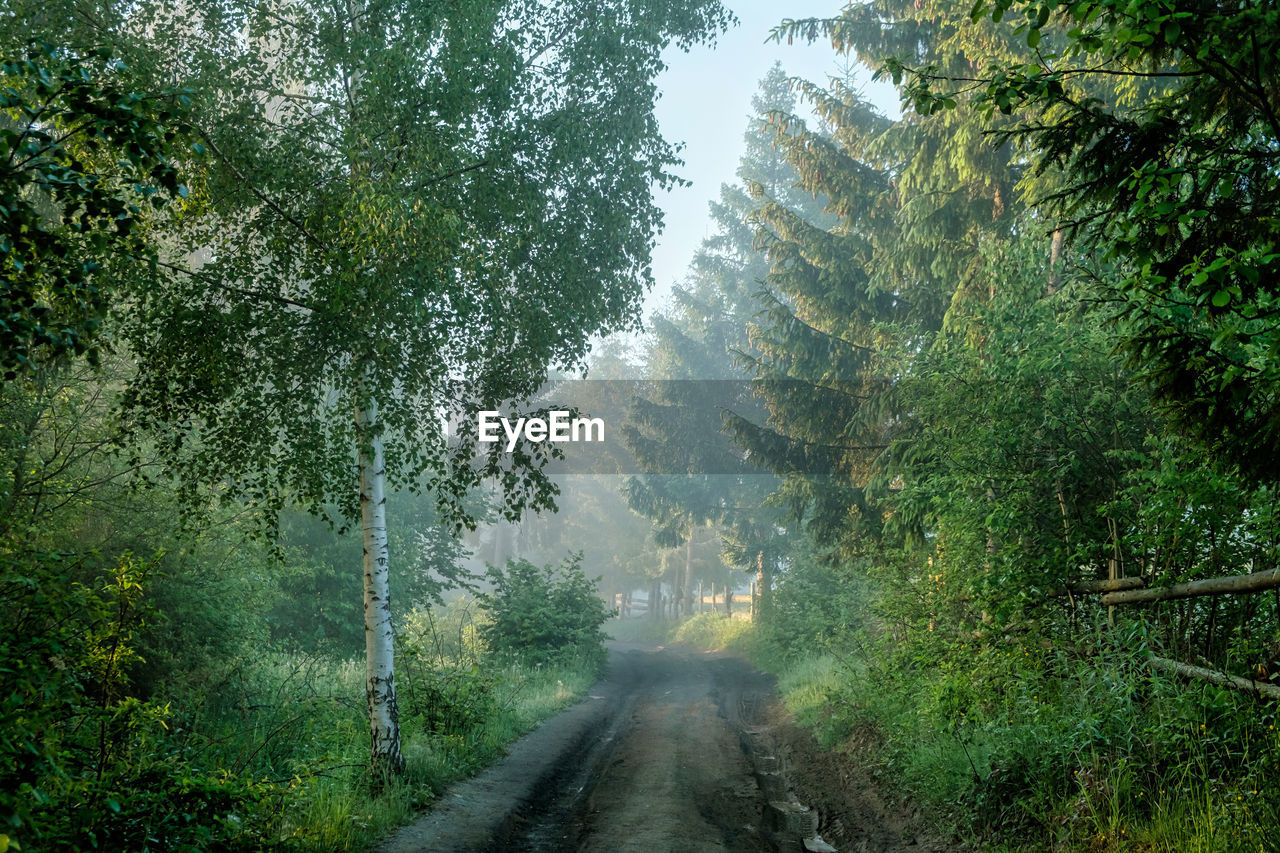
(87, 158)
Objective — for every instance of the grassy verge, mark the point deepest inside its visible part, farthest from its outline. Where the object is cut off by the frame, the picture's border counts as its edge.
(1023, 745)
(297, 724)
(338, 811)
(706, 631)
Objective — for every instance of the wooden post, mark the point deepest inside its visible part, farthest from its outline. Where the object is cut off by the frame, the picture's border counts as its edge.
(728, 601)
(700, 597)
(1115, 570)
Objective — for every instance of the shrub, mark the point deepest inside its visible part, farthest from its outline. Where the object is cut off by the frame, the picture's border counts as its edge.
(449, 699)
(541, 613)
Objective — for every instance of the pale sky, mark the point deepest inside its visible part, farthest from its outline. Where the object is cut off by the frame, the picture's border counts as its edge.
(706, 104)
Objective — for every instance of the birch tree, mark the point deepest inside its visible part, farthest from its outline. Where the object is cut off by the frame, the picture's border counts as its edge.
(410, 211)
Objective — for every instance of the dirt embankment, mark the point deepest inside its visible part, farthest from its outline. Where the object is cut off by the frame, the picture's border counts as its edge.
(674, 750)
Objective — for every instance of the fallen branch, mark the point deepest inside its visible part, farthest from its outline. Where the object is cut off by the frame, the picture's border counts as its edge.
(1254, 582)
(1186, 670)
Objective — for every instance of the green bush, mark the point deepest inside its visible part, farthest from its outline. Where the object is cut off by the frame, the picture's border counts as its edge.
(542, 613)
(84, 764)
(448, 700)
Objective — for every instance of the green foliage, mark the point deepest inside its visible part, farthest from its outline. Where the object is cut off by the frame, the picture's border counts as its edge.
(818, 606)
(712, 631)
(1158, 120)
(543, 613)
(444, 686)
(86, 159)
(1078, 746)
(422, 127)
(1093, 188)
(88, 764)
(298, 721)
(447, 700)
(851, 295)
(1023, 432)
(314, 611)
(354, 155)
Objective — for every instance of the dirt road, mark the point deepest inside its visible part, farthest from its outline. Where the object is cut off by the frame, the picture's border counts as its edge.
(675, 750)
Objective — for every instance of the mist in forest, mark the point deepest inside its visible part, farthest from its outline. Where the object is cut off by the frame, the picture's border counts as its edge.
(383, 380)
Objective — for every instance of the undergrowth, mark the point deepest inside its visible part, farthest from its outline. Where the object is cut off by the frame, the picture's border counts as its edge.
(269, 749)
(1017, 743)
(456, 725)
(461, 703)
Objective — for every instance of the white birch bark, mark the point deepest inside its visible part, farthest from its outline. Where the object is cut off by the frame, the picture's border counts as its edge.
(385, 758)
(379, 636)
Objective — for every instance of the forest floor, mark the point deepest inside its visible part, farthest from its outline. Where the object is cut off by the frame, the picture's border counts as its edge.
(674, 750)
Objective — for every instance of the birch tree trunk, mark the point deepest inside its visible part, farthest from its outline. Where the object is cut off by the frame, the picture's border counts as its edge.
(379, 637)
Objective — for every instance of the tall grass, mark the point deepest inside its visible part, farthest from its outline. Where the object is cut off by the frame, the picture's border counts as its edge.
(297, 724)
(1019, 746)
(337, 810)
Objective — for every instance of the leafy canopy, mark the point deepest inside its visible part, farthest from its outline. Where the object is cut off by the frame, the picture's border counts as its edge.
(422, 205)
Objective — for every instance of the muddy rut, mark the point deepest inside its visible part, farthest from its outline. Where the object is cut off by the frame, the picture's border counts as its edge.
(675, 750)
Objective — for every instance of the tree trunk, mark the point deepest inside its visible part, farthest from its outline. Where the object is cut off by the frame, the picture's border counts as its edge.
(1055, 254)
(688, 575)
(379, 636)
(1086, 587)
(764, 580)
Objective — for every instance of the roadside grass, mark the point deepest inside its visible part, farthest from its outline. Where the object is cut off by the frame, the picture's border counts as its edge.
(297, 724)
(341, 811)
(1017, 746)
(1024, 745)
(714, 632)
